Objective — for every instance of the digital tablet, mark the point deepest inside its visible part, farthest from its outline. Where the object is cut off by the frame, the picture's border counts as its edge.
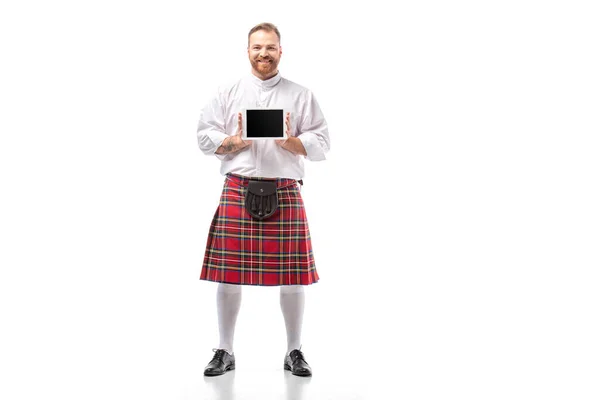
(263, 123)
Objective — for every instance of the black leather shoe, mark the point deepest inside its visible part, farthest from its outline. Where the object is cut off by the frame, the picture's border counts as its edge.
(221, 362)
(296, 363)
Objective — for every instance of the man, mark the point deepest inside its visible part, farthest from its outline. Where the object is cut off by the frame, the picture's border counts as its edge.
(241, 248)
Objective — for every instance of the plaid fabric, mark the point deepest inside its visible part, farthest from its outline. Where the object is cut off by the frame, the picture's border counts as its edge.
(273, 252)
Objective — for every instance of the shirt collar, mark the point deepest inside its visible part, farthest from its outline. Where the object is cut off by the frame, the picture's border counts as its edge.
(269, 83)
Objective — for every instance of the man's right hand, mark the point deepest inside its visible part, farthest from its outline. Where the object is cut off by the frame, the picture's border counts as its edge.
(235, 143)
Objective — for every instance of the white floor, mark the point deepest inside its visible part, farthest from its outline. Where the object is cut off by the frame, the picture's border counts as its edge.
(425, 343)
(247, 382)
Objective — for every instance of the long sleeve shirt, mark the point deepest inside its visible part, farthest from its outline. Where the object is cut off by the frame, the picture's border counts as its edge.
(264, 158)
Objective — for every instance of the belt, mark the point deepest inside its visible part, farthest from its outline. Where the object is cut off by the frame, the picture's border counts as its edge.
(243, 180)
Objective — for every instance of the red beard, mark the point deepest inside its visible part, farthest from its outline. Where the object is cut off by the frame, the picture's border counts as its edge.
(264, 68)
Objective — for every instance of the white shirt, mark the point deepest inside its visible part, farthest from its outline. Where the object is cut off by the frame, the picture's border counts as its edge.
(264, 158)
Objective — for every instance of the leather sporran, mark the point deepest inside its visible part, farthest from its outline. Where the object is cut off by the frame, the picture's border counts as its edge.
(261, 200)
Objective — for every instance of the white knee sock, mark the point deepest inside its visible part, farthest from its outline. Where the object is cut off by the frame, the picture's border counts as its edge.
(229, 299)
(292, 306)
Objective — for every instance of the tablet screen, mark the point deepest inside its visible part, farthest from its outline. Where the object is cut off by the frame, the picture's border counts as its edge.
(264, 124)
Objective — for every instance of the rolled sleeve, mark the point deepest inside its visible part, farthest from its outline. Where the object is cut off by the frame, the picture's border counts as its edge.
(211, 127)
(314, 146)
(313, 131)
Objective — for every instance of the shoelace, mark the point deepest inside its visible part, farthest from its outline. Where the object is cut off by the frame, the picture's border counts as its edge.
(297, 355)
(219, 354)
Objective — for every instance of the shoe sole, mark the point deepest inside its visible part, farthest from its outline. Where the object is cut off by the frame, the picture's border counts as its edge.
(287, 367)
(231, 367)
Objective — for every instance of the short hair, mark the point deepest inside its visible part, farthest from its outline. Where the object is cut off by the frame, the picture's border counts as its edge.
(264, 26)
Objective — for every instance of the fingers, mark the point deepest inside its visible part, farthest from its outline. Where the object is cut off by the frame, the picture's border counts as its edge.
(240, 125)
(288, 124)
(246, 143)
(240, 131)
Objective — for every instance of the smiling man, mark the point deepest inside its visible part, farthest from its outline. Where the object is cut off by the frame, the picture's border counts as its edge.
(262, 178)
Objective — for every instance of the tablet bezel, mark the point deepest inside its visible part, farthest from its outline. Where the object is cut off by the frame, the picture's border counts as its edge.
(245, 122)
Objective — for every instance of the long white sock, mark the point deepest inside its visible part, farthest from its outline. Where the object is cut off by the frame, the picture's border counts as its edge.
(291, 299)
(229, 299)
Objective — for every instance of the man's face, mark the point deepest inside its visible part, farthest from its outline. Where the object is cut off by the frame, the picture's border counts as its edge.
(264, 53)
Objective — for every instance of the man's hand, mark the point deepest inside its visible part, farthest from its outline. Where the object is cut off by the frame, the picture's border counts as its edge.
(291, 143)
(235, 143)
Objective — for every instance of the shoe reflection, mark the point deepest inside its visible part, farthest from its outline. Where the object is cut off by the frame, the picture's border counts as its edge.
(221, 386)
(295, 386)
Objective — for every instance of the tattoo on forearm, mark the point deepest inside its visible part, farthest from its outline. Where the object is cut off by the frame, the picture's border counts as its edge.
(227, 145)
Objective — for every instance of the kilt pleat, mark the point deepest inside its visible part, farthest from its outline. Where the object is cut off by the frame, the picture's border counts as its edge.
(273, 252)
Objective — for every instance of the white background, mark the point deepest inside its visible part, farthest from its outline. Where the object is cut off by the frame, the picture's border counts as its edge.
(455, 223)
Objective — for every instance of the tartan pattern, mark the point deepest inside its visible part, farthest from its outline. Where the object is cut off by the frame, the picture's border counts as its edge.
(272, 252)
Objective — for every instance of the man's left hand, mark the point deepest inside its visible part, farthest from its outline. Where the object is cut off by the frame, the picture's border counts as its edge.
(291, 143)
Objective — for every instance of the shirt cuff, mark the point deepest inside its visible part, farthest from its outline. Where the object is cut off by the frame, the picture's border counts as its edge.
(313, 146)
(211, 141)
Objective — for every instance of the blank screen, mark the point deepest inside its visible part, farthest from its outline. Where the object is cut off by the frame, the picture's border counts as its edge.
(264, 123)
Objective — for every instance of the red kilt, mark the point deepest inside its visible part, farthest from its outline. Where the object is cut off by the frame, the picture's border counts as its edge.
(241, 250)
